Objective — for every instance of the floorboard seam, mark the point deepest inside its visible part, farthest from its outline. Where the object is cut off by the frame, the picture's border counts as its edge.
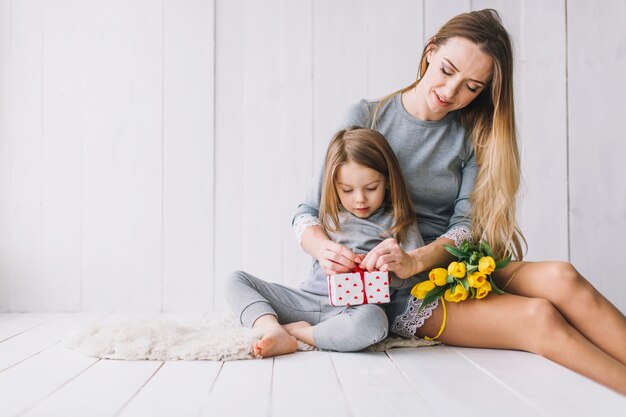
(505, 385)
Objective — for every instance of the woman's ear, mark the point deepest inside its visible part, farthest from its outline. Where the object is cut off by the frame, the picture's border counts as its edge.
(430, 49)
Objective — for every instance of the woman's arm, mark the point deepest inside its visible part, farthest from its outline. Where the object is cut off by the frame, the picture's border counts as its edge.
(389, 256)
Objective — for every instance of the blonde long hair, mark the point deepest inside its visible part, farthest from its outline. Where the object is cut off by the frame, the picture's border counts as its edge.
(489, 121)
(368, 148)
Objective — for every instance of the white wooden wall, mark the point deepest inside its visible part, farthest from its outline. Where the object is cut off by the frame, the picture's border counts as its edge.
(148, 148)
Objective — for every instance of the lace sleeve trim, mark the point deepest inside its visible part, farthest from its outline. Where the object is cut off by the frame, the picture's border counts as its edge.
(302, 222)
(407, 323)
(459, 234)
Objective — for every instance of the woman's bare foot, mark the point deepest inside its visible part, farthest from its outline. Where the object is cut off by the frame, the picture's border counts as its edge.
(301, 330)
(274, 340)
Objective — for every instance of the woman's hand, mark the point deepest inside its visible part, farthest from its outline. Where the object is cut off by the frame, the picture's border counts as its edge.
(336, 259)
(389, 256)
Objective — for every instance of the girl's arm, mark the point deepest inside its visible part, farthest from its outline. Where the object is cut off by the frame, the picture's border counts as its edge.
(333, 257)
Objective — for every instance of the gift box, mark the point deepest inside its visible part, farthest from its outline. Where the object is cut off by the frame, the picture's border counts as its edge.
(358, 287)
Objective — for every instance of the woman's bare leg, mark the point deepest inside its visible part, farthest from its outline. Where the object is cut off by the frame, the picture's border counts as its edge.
(529, 324)
(576, 299)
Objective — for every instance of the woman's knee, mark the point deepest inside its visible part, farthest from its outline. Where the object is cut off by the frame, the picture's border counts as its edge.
(569, 285)
(547, 326)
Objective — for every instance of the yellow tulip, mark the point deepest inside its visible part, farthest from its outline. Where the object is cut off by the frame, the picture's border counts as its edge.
(486, 265)
(459, 294)
(483, 290)
(421, 289)
(476, 279)
(438, 276)
(457, 269)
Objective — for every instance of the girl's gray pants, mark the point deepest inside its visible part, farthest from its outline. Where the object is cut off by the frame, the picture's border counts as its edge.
(343, 329)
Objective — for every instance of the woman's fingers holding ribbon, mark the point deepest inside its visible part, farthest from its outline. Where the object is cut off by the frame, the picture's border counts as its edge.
(335, 258)
(389, 256)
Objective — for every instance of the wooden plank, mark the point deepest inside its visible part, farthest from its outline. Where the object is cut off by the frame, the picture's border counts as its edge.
(53, 368)
(449, 384)
(8, 316)
(102, 390)
(339, 43)
(25, 260)
(296, 132)
(543, 129)
(6, 134)
(229, 62)
(242, 389)
(186, 385)
(188, 154)
(24, 322)
(373, 386)
(260, 161)
(307, 382)
(546, 385)
(63, 97)
(596, 39)
(122, 156)
(261, 135)
(438, 12)
(29, 343)
(390, 68)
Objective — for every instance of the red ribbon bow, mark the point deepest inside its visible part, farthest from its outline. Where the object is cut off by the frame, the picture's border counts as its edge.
(361, 272)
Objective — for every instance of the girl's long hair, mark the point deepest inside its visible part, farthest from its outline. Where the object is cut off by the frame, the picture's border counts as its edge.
(368, 148)
(489, 121)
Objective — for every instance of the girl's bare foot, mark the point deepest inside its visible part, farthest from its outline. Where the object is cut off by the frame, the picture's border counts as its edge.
(301, 330)
(274, 340)
(274, 343)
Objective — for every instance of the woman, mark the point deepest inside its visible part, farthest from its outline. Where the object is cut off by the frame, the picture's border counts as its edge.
(453, 131)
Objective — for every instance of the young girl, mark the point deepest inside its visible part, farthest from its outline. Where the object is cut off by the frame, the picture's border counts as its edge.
(364, 201)
(453, 130)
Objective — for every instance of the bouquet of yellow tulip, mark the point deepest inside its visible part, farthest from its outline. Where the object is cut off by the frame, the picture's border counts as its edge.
(469, 276)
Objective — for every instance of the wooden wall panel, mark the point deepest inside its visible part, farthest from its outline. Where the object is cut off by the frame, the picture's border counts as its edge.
(62, 102)
(263, 138)
(339, 67)
(394, 45)
(542, 125)
(296, 131)
(229, 58)
(188, 154)
(5, 152)
(596, 62)
(438, 12)
(149, 149)
(122, 154)
(26, 157)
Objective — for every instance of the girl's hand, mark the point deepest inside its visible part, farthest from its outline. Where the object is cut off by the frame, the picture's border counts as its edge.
(389, 256)
(335, 259)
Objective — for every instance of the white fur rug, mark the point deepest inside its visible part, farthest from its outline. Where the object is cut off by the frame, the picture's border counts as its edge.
(218, 337)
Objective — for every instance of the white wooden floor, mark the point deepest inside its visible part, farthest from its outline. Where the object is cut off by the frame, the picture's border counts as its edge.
(39, 377)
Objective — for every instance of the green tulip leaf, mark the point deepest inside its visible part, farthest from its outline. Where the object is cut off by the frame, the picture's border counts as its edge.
(495, 287)
(464, 283)
(471, 268)
(504, 262)
(449, 279)
(431, 296)
(484, 247)
(455, 251)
